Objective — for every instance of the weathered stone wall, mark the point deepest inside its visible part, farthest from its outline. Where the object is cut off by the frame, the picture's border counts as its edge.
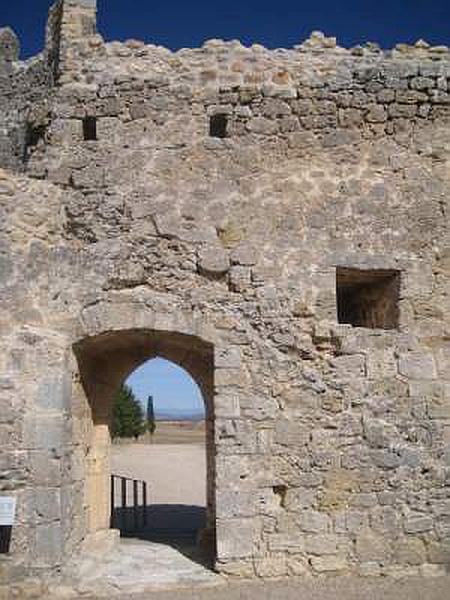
(332, 442)
(24, 91)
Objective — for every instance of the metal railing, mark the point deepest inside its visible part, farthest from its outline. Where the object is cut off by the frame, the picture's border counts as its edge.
(133, 499)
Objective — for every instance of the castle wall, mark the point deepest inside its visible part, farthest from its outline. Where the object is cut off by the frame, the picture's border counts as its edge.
(332, 440)
(24, 92)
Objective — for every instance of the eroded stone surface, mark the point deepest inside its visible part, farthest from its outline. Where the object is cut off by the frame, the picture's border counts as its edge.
(330, 442)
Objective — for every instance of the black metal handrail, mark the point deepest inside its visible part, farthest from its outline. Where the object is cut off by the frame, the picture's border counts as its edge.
(139, 508)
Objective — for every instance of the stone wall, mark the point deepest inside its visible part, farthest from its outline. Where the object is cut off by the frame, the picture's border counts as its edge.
(24, 91)
(332, 441)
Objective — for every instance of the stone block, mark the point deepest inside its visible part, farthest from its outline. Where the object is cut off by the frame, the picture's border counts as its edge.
(324, 544)
(381, 364)
(42, 505)
(442, 508)
(291, 433)
(54, 391)
(262, 126)
(372, 548)
(439, 552)
(443, 361)
(9, 45)
(439, 408)
(386, 459)
(350, 521)
(292, 543)
(350, 366)
(271, 567)
(46, 433)
(379, 434)
(300, 499)
(417, 365)
(46, 470)
(227, 405)
(409, 552)
(49, 545)
(229, 377)
(419, 524)
(236, 503)
(81, 3)
(238, 538)
(236, 568)
(244, 255)
(385, 520)
(240, 278)
(213, 261)
(259, 408)
(227, 358)
(312, 521)
(328, 564)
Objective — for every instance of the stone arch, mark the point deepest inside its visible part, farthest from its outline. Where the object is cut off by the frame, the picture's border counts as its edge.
(113, 340)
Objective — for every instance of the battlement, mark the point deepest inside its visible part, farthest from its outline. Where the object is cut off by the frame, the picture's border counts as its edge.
(9, 45)
(74, 23)
(324, 88)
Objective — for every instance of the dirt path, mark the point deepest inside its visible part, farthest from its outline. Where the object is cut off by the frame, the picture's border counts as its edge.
(330, 588)
(176, 473)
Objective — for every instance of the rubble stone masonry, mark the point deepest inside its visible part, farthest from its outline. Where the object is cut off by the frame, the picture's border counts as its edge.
(214, 206)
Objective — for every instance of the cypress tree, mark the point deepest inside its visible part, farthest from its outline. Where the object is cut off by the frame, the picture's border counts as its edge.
(151, 422)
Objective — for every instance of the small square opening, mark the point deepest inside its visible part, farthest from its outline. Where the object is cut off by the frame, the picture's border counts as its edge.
(90, 129)
(368, 298)
(218, 126)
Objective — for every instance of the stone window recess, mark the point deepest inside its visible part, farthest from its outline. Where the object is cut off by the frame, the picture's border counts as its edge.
(218, 125)
(90, 129)
(34, 134)
(368, 298)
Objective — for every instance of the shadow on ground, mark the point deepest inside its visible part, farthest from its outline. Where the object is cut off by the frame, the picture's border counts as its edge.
(175, 525)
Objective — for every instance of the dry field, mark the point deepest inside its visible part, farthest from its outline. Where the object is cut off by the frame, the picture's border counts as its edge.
(183, 432)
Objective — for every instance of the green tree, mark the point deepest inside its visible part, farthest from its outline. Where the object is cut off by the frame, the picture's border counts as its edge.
(128, 417)
(151, 422)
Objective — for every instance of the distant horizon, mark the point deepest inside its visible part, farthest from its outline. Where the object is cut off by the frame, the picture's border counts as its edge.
(195, 418)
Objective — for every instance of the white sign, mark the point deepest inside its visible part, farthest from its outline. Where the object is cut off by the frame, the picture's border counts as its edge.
(7, 510)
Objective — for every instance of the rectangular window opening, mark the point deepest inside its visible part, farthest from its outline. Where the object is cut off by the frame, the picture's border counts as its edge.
(368, 298)
(90, 129)
(218, 126)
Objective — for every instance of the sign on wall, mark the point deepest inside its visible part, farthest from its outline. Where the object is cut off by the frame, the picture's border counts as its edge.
(7, 510)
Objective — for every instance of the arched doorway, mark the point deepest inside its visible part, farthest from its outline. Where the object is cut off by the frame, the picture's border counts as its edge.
(104, 362)
(158, 458)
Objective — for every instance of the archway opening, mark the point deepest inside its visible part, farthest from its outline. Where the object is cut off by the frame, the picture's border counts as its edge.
(105, 363)
(158, 460)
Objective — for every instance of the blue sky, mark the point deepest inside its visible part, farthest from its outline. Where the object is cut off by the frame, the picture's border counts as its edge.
(182, 23)
(174, 392)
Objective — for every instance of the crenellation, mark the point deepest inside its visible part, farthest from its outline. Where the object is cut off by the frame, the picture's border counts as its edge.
(9, 46)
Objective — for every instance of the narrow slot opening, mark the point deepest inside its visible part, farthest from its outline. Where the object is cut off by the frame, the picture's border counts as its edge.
(218, 126)
(90, 129)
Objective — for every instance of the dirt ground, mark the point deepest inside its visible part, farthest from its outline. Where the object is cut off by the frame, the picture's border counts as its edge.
(327, 588)
(173, 464)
